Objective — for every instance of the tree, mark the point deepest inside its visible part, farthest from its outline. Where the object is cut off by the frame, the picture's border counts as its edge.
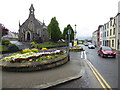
(3, 30)
(54, 31)
(65, 32)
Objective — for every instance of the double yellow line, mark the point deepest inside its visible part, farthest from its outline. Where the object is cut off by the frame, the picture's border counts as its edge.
(99, 77)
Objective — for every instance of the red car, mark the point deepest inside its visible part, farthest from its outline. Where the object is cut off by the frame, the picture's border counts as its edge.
(106, 52)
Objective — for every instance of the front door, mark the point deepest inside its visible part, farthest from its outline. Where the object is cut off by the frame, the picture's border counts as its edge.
(28, 36)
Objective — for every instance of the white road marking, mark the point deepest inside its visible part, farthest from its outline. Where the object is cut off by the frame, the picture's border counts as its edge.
(85, 56)
(81, 54)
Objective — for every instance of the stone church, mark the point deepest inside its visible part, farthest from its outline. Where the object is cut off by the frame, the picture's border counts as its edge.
(32, 29)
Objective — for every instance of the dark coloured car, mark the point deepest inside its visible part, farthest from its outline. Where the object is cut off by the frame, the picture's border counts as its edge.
(106, 52)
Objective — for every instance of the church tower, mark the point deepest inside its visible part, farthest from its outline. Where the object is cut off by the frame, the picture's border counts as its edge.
(31, 11)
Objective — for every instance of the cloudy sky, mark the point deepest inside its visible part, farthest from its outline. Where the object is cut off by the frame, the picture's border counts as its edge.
(86, 14)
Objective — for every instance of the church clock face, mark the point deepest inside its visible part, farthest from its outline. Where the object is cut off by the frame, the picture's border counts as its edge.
(30, 25)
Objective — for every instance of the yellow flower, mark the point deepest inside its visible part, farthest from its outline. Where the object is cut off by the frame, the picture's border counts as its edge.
(44, 49)
(49, 57)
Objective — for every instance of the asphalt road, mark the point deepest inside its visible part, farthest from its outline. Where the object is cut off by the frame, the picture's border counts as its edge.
(107, 67)
(88, 80)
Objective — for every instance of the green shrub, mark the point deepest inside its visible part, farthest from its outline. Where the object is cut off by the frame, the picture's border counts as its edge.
(34, 50)
(32, 44)
(5, 42)
(26, 50)
(3, 48)
(12, 48)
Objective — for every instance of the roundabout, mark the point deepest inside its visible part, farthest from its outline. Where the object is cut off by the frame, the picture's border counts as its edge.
(34, 61)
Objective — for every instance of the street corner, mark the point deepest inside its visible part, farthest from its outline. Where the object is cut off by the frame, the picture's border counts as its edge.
(76, 73)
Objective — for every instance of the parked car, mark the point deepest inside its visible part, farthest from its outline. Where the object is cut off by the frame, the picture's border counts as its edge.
(86, 44)
(91, 46)
(105, 51)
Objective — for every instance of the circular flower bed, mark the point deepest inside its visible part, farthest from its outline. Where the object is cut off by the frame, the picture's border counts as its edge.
(28, 60)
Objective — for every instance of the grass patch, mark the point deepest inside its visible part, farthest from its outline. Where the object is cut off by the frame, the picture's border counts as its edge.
(3, 48)
(50, 44)
(12, 54)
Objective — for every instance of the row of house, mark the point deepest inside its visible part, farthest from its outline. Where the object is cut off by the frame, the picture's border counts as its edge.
(11, 36)
(108, 34)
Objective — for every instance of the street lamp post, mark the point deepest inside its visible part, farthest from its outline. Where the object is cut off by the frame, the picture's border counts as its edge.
(69, 32)
(66, 43)
(75, 32)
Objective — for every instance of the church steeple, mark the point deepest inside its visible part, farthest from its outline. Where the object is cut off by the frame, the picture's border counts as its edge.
(19, 24)
(32, 10)
(43, 22)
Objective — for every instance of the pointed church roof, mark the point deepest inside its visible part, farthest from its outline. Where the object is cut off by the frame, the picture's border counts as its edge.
(31, 7)
(19, 23)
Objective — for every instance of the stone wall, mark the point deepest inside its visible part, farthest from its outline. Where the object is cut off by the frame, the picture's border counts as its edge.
(34, 66)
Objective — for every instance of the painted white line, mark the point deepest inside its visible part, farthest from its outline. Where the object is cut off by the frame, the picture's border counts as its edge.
(85, 56)
(82, 54)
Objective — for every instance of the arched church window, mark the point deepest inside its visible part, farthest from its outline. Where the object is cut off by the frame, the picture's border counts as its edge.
(22, 30)
(40, 33)
(30, 25)
(37, 31)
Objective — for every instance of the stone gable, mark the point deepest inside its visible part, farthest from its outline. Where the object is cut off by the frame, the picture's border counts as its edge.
(32, 29)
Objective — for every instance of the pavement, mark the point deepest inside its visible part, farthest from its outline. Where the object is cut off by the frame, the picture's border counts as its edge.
(74, 69)
(21, 45)
(118, 52)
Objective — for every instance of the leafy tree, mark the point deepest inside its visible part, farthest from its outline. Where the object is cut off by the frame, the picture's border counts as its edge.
(3, 30)
(54, 31)
(65, 32)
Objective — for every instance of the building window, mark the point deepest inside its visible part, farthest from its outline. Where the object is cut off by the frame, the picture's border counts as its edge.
(111, 23)
(108, 25)
(110, 32)
(112, 43)
(114, 31)
(109, 43)
(107, 33)
(114, 20)
(103, 43)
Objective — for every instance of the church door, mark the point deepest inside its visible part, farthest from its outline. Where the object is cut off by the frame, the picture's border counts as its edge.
(28, 36)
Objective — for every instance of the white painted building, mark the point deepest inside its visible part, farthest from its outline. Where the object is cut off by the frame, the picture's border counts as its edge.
(101, 35)
(118, 31)
(95, 37)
